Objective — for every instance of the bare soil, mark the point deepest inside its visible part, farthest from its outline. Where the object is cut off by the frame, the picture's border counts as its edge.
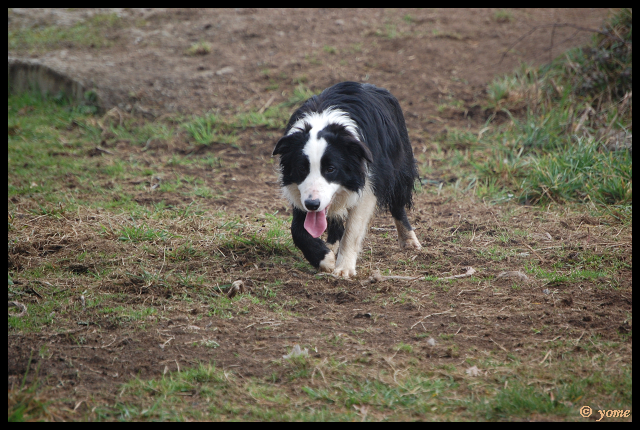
(428, 60)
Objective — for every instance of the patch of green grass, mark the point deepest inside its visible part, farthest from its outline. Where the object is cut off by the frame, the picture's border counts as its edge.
(496, 253)
(300, 94)
(557, 395)
(403, 347)
(58, 304)
(390, 31)
(520, 387)
(272, 239)
(25, 403)
(502, 15)
(53, 160)
(330, 49)
(210, 129)
(142, 233)
(199, 48)
(558, 148)
(274, 117)
(93, 32)
(500, 89)
(438, 34)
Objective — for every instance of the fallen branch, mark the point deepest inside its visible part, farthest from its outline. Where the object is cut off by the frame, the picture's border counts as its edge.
(377, 277)
(470, 271)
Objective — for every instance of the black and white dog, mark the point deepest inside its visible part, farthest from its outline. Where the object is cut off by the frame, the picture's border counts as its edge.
(344, 152)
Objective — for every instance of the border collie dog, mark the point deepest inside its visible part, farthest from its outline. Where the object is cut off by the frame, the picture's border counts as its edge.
(345, 152)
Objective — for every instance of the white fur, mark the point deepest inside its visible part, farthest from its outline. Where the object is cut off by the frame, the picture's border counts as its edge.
(355, 231)
(315, 186)
(319, 120)
(342, 200)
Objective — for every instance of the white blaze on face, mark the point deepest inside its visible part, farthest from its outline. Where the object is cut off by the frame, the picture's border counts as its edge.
(315, 186)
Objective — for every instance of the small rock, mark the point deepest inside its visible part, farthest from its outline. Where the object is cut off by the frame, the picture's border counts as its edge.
(513, 274)
(431, 342)
(236, 288)
(296, 352)
(545, 291)
(473, 371)
(225, 71)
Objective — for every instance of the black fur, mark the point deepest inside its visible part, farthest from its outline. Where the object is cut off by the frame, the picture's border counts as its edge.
(383, 149)
(314, 249)
(381, 124)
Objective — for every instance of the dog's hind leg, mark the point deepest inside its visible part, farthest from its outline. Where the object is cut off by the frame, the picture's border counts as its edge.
(406, 236)
(356, 229)
(314, 249)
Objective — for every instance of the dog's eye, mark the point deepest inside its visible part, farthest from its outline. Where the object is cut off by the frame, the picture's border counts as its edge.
(331, 169)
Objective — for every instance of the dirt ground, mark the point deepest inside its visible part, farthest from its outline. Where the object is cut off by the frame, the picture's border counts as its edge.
(258, 58)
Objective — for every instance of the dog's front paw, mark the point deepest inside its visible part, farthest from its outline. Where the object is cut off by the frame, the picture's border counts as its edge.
(328, 263)
(345, 272)
(409, 241)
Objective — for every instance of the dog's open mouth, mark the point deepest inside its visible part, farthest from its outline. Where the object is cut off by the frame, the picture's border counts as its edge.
(316, 222)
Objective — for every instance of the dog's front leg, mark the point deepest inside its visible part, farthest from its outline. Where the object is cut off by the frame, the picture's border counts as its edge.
(354, 234)
(314, 249)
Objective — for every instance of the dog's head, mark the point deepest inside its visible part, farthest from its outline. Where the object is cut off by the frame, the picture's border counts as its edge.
(319, 159)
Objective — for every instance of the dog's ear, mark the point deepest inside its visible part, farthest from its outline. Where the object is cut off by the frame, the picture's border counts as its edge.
(284, 144)
(358, 148)
(349, 141)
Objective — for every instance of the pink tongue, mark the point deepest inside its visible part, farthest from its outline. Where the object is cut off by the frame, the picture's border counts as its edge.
(316, 223)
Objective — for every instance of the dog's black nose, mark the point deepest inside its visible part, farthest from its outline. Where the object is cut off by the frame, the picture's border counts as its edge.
(312, 205)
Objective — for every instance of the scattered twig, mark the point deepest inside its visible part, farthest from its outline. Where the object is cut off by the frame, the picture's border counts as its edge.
(267, 104)
(31, 290)
(470, 271)
(20, 306)
(106, 151)
(107, 346)
(536, 254)
(168, 340)
(501, 347)
(545, 357)
(430, 315)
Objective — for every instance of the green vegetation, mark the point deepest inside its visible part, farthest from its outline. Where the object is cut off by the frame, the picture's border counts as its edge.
(331, 390)
(125, 249)
(92, 32)
(573, 142)
(199, 48)
(503, 16)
